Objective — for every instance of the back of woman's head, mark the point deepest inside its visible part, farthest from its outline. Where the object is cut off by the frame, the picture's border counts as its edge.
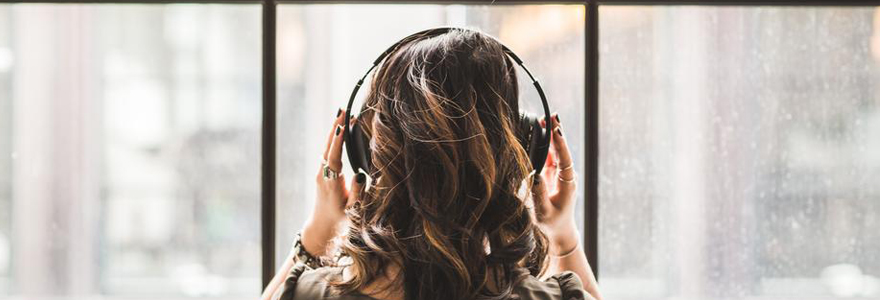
(446, 204)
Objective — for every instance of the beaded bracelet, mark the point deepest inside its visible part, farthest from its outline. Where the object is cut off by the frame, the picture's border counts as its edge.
(300, 255)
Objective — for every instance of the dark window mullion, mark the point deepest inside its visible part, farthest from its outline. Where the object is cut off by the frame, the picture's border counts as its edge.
(591, 193)
(267, 209)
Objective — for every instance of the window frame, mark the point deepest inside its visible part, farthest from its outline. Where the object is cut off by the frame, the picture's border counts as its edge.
(591, 108)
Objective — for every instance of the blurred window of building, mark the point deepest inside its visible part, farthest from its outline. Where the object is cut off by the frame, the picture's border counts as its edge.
(129, 151)
(739, 152)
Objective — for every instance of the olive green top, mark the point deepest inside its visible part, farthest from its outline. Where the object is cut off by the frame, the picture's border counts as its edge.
(313, 284)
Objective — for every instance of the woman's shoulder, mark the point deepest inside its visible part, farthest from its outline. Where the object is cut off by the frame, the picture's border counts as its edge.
(322, 274)
(315, 284)
(565, 286)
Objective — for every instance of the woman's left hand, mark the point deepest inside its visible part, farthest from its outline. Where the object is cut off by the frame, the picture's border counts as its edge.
(556, 193)
(332, 195)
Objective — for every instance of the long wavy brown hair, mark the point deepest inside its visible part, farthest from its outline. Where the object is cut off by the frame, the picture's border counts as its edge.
(447, 205)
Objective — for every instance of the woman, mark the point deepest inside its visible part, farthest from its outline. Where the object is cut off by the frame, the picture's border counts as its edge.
(452, 211)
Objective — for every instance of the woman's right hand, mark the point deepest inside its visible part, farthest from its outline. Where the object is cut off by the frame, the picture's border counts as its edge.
(333, 197)
(555, 194)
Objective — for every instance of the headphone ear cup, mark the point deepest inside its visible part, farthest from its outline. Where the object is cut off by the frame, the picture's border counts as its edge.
(358, 148)
(533, 140)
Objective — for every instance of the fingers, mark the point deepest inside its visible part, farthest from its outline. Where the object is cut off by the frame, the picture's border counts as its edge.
(334, 155)
(562, 153)
(339, 117)
(549, 172)
(559, 143)
(357, 188)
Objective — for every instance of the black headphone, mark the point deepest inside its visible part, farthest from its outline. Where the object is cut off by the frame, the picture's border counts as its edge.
(536, 141)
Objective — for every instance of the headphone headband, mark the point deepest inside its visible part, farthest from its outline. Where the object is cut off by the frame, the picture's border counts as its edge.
(543, 145)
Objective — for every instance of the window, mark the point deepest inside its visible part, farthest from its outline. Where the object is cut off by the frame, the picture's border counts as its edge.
(324, 49)
(740, 152)
(738, 146)
(130, 151)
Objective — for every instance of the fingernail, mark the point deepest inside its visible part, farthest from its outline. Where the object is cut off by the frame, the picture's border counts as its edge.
(557, 118)
(360, 178)
(338, 129)
(559, 131)
(537, 180)
(338, 112)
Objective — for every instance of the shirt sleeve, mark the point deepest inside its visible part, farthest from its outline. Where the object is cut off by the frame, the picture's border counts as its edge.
(286, 291)
(571, 286)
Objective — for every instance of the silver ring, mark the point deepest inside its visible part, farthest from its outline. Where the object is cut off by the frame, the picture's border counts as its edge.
(328, 173)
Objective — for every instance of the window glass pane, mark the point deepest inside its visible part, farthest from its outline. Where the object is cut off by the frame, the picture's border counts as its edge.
(129, 151)
(740, 152)
(324, 49)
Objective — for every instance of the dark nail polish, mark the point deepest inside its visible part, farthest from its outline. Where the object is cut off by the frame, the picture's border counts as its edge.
(537, 180)
(361, 178)
(559, 131)
(338, 129)
(338, 112)
(557, 119)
